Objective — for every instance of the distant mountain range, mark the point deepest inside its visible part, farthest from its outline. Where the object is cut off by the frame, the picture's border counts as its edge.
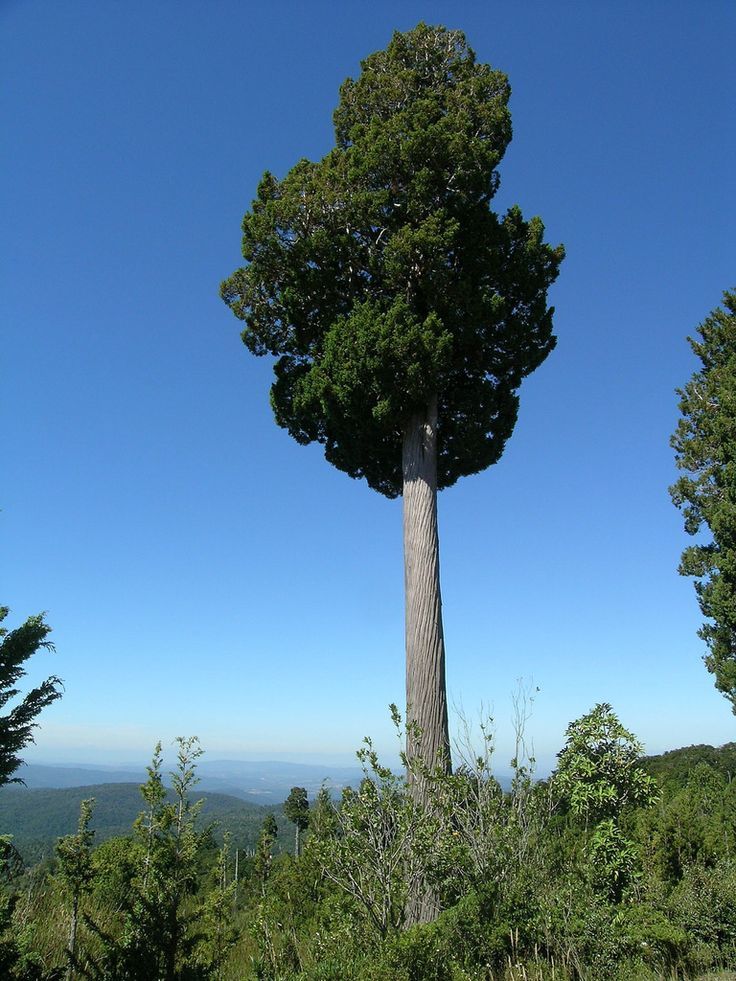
(267, 782)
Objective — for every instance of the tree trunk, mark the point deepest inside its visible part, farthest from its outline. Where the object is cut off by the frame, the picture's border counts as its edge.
(427, 734)
(426, 696)
(72, 942)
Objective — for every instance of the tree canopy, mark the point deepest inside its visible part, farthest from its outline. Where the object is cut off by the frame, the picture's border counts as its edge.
(296, 810)
(380, 278)
(705, 448)
(16, 728)
(599, 769)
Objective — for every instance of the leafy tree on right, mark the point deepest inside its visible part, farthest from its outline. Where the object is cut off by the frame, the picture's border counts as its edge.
(705, 447)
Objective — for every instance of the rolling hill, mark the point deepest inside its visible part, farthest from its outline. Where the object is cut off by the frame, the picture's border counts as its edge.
(36, 817)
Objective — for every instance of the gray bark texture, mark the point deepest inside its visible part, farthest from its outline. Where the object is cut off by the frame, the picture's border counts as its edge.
(426, 696)
(427, 734)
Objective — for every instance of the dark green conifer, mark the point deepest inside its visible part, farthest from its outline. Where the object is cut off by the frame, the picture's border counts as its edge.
(705, 447)
(264, 850)
(296, 810)
(16, 728)
(75, 873)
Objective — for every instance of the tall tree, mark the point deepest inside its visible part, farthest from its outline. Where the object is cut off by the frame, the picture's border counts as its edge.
(705, 448)
(162, 925)
(16, 728)
(264, 850)
(75, 872)
(402, 311)
(296, 810)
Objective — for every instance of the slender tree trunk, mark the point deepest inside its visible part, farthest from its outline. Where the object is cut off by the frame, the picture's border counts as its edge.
(72, 942)
(426, 696)
(427, 734)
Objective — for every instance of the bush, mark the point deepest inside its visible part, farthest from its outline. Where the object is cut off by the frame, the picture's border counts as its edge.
(703, 905)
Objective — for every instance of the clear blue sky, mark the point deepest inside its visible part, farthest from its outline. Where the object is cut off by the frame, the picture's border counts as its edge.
(206, 575)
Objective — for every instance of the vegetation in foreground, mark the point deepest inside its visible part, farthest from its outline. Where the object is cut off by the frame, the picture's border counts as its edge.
(615, 867)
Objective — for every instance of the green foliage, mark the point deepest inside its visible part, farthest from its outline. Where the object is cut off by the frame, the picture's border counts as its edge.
(675, 767)
(16, 728)
(115, 864)
(599, 775)
(528, 893)
(11, 865)
(165, 930)
(492, 837)
(74, 874)
(74, 868)
(383, 844)
(598, 770)
(11, 861)
(323, 818)
(694, 825)
(380, 278)
(613, 859)
(296, 807)
(703, 905)
(296, 810)
(218, 931)
(158, 939)
(705, 448)
(264, 850)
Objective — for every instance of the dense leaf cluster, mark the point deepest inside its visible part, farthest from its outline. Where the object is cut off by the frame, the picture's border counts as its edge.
(380, 278)
(16, 728)
(705, 447)
(599, 771)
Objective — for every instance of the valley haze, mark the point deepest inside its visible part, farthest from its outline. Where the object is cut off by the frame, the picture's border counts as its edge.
(259, 781)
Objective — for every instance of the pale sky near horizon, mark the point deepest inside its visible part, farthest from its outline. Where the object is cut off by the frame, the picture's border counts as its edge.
(202, 573)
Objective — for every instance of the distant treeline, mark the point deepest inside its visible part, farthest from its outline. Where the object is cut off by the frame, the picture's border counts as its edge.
(37, 818)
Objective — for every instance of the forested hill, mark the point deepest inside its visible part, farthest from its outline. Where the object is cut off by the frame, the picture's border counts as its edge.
(36, 818)
(674, 767)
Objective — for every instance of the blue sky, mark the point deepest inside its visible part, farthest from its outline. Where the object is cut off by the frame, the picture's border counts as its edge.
(204, 574)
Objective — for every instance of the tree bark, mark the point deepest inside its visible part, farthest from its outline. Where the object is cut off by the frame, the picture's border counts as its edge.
(426, 695)
(427, 733)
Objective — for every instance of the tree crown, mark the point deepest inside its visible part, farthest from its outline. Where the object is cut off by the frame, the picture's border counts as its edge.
(296, 808)
(379, 277)
(705, 449)
(598, 770)
(16, 728)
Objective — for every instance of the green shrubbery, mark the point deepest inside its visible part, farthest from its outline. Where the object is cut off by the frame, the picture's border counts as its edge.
(597, 873)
